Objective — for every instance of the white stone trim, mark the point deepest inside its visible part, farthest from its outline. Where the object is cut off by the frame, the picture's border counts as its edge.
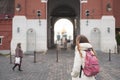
(107, 40)
(25, 24)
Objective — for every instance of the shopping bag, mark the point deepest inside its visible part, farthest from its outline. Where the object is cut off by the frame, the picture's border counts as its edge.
(17, 60)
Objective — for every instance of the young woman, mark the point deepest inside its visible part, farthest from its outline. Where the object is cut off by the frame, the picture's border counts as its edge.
(82, 44)
(18, 53)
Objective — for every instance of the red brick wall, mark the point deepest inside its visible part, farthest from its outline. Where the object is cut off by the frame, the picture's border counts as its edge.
(117, 12)
(6, 31)
(30, 7)
(97, 8)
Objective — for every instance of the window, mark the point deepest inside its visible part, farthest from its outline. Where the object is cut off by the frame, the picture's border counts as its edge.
(0, 41)
(18, 30)
(84, 1)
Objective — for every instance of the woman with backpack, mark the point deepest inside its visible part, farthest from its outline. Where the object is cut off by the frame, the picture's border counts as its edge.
(82, 44)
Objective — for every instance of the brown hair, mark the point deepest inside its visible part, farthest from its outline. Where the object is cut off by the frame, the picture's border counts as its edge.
(82, 39)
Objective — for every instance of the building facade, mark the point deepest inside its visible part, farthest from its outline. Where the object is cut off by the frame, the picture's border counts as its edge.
(33, 23)
(100, 24)
(6, 15)
(5, 35)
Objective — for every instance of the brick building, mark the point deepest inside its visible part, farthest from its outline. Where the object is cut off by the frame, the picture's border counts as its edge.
(33, 23)
(6, 15)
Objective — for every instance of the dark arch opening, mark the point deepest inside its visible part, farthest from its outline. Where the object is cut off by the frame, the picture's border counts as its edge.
(69, 9)
(63, 11)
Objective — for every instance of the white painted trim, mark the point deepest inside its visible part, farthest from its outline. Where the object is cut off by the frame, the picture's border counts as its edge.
(25, 24)
(107, 40)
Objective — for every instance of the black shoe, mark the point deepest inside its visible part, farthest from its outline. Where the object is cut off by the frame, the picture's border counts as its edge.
(20, 70)
(13, 69)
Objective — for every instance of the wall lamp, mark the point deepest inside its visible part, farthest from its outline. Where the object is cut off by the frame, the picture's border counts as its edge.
(87, 13)
(18, 7)
(108, 7)
(95, 29)
(39, 14)
(6, 16)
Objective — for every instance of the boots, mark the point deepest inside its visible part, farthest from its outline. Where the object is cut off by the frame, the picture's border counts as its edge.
(14, 67)
(20, 68)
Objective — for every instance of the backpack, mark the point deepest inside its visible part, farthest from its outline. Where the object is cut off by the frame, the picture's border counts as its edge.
(91, 67)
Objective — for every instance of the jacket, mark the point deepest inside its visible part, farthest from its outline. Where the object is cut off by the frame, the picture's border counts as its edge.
(18, 52)
(78, 61)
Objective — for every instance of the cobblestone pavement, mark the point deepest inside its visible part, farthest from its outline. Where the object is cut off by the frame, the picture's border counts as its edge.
(46, 67)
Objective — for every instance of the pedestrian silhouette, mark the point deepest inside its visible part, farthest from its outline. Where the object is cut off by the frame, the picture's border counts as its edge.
(18, 54)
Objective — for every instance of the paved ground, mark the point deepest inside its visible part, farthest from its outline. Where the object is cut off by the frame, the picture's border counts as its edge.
(46, 67)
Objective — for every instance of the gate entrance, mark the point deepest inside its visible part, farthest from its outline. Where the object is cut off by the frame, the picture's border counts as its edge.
(56, 10)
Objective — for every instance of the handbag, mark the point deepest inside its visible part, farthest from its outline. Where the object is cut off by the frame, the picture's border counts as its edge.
(17, 60)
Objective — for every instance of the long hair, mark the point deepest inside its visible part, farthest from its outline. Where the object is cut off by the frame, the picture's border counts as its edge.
(81, 39)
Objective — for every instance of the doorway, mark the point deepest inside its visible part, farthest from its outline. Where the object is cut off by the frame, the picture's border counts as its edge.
(31, 40)
(95, 38)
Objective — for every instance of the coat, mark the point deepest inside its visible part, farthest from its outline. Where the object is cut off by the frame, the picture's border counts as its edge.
(78, 61)
(18, 52)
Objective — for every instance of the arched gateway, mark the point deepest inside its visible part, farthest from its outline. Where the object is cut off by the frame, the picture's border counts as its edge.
(56, 9)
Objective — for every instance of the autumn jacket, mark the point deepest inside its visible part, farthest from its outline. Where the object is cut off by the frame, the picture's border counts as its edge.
(78, 61)
(18, 52)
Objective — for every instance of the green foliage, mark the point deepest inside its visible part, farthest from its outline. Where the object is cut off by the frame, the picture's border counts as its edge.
(118, 39)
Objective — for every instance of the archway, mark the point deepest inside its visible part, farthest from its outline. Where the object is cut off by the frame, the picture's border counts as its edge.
(56, 9)
(31, 40)
(63, 29)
